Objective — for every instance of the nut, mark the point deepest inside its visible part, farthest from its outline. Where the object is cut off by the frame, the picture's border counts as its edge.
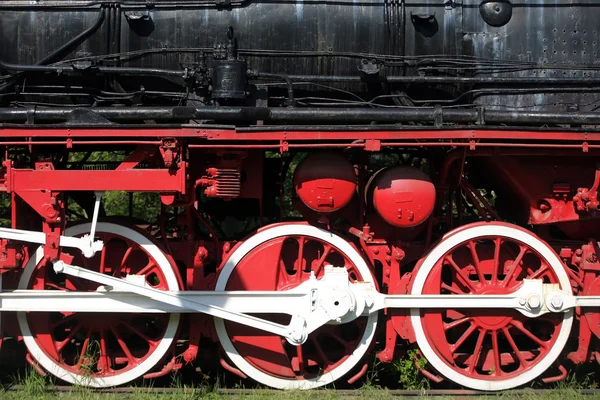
(533, 302)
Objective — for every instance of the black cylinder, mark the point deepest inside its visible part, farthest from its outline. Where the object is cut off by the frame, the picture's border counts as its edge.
(229, 79)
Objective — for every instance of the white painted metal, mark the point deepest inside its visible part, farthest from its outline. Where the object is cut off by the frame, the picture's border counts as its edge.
(288, 230)
(91, 251)
(173, 299)
(315, 302)
(532, 299)
(119, 378)
(86, 244)
(289, 301)
(490, 230)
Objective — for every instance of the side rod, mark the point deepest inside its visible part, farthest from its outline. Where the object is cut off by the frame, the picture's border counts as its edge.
(174, 299)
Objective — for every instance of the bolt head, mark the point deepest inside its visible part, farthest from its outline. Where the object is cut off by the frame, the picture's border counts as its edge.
(557, 302)
(533, 302)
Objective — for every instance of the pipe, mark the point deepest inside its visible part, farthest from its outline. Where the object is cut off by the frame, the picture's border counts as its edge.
(66, 48)
(105, 70)
(449, 79)
(62, 50)
(435, 115)
(282, 77)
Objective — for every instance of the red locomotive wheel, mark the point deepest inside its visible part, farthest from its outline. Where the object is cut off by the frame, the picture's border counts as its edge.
(101, 350)
(280, 258)
(491, 349)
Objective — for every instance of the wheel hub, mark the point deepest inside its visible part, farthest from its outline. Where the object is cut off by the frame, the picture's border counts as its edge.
(491, 319)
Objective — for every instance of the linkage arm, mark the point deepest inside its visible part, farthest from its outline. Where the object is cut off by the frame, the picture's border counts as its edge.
(173, 299)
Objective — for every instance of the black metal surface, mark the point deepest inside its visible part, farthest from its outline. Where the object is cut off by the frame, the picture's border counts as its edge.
(250, 115)
(228, 73)
(515, 57)
(496, 13)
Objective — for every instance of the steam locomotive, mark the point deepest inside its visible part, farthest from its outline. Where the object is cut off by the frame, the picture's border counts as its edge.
(303, 186)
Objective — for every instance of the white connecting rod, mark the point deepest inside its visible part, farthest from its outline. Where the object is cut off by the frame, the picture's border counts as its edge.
(285, 302)
(86, 244)
(173, 299)
(312, 304)
(332, 299)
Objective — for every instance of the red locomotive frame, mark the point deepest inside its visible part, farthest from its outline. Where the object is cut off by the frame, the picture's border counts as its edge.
(176, 178)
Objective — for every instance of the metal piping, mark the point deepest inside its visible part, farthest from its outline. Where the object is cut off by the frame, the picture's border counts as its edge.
(435, 115)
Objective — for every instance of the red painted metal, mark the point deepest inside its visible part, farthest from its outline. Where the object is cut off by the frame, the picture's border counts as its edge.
(12, 255)
(222, 182)
(468, 340)
(67, 338)
(543, 176)
(586, 200)
(325, 182)
(132, 180)
(290, 134)
(281, 264)
(404, 196)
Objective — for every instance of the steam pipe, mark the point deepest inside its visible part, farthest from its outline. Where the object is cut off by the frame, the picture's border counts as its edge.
(304, 115)
(68, 47)
(105, 70)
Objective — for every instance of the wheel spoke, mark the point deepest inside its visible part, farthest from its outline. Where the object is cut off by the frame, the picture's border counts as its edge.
(460, 274)
(62, 344)
(84, 348)
(51, 285)
(319, 265)
(320, 350)
(471, 246)
(123, 261)
(477, 351)
(519, 325)
(451, 289)
(497, 355)
(516, 264)
(299, 269)
(149, 267)
(102, 260)
(543, 269)
(347, 345)
(496, 264)
(453, 324)
(137, 332)
(513, 345)
(103, 359)
(283, 274)
(123, 346)
(300, 355)
(463, 337)
(62, 321)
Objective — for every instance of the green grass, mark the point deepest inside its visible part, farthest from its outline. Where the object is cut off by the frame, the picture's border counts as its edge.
(33, 386)
(192, 394)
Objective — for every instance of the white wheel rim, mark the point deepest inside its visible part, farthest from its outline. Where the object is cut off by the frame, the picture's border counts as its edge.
(487, 230)
(269, 234)
(120, 378)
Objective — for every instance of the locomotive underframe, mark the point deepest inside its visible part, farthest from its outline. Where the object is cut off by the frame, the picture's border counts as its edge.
(176, 180)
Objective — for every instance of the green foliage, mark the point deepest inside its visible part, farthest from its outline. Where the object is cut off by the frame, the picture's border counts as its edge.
(4, 209)
(34, 384)
(408, 367)
(144, 206)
